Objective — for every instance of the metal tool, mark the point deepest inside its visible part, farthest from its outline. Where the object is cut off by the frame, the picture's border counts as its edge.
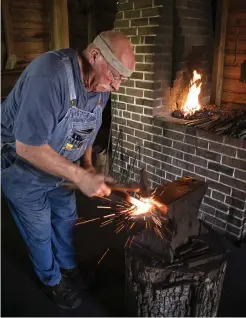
(144, 184)
(123, 187)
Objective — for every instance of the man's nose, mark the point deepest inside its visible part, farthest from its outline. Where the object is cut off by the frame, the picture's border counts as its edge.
(116, 85)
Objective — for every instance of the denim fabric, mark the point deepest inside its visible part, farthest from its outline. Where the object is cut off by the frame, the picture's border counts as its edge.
(44, 211)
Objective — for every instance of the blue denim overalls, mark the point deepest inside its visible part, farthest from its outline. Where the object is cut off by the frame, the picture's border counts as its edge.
(44, 211)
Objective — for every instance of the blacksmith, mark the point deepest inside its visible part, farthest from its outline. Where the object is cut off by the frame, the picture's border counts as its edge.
(49, 121)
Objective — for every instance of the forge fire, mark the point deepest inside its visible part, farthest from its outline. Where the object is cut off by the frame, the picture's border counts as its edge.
(221, 119)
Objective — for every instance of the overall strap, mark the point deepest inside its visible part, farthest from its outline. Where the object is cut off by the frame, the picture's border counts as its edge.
(67, 63)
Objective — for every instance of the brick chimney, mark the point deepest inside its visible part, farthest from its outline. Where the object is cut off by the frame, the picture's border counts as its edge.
(170, 39)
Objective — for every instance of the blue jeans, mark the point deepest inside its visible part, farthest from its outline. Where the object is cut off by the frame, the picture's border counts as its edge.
(45, 221)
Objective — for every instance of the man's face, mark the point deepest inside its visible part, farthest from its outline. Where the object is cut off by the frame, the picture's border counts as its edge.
(103, 78)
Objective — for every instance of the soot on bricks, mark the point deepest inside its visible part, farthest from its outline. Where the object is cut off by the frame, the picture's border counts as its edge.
(181, 272)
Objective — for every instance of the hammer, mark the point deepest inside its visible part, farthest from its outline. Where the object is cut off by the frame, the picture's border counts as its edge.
(141, 188)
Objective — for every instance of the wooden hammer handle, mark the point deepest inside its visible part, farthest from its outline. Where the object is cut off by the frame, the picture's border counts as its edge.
(124, 187)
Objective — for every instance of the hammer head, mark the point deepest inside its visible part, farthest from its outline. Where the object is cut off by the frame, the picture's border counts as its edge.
(144, 187)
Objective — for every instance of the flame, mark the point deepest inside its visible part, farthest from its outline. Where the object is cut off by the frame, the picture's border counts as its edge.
(142, 207)
(192, 103)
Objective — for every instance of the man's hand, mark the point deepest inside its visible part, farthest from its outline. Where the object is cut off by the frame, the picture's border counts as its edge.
(92, 184)
(46, 159)
(89, 167)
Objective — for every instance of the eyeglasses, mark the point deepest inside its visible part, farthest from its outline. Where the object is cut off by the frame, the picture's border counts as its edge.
(113, 75)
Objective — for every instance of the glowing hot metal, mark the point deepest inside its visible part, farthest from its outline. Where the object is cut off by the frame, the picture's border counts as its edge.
(141, 207)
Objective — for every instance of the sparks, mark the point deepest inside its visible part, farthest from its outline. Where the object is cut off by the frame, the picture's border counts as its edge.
(109, 215)
(141, 207)
(87, 221)
(103, 256)
(127, 241)
(104, 207)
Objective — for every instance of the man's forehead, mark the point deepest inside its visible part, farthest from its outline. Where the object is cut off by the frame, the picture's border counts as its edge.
(112, 60)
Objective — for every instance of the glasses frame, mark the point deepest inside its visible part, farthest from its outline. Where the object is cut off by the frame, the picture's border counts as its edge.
(115, 78)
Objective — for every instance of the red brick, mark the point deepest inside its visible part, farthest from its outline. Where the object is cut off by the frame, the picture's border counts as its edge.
(144, 67)
(139, 4)
(157, 21)
(128, 83)
(125, 6)
(220, 187)
(235, 203)
(145, 49)
(122, 24)
(149, 77)
(136, 117)
(149, 94)
(126, 99)
(134, 124)
(148, 30)
(139, 22)
(137, 39)
(184, 147)
(220, 168)
(134, 92)
(122, 90)
(137, 75)
(119, 15)
(139, 58)
(230, 151)
(121, 106)
(240, 175)
(129, 31)
(208, 154)
(135, 109)
(234, 183)
(196, 160)
(148, 111)
(144, 102)
(219, 205)
(145, 85)
(132, 14)
(218, 196)
(235, 163)
(207, 173)
(241, 154)
(151, 12)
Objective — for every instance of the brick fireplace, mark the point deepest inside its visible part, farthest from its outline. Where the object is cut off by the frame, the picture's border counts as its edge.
(170, 39)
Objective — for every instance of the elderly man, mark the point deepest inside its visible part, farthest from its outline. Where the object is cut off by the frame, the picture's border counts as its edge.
(49, 121)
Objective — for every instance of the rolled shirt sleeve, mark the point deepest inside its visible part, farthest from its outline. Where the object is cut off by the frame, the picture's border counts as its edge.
(39, 111)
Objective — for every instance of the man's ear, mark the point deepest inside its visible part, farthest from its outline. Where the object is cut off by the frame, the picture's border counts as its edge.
(95, 55)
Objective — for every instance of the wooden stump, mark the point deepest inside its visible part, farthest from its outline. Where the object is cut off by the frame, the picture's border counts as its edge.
(190, 286)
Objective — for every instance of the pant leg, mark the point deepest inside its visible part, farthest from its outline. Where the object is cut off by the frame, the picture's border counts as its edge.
(32, 216)
(63, 218)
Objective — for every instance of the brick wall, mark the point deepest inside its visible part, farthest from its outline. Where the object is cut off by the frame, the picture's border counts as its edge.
(170, 150)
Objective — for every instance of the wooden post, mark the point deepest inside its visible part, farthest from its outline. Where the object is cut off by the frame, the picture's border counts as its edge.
(7, 24)
(219, 51)
(59, 25)
(91, 20)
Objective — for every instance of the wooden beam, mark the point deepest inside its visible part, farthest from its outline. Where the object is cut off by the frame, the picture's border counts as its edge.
(7, 25)
(59, 25)
(219, 50)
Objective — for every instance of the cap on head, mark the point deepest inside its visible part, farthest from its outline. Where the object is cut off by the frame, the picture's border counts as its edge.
(117, 51)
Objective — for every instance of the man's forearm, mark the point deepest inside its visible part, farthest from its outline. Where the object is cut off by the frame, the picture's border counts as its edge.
(46, 159)
(87, 157)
